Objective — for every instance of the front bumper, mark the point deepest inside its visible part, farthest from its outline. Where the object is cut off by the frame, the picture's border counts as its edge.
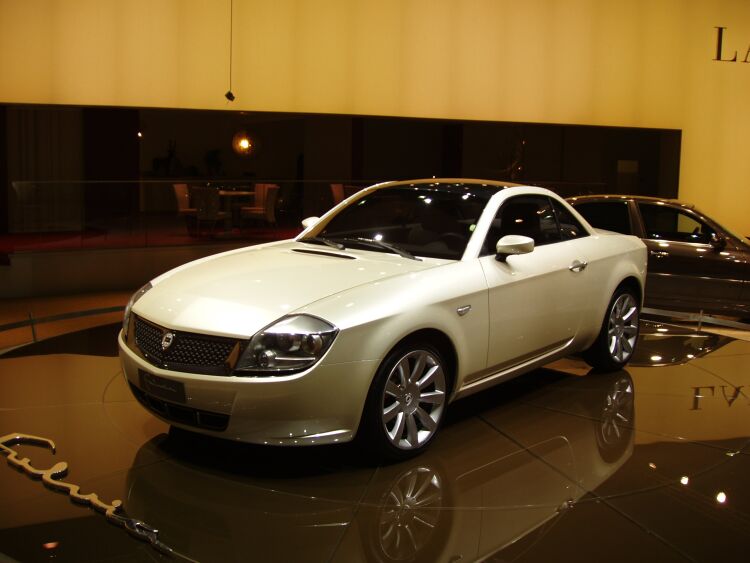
(322, 405)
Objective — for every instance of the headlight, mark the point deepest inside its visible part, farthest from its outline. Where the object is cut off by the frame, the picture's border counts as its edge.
(290, 345)
(126, 318)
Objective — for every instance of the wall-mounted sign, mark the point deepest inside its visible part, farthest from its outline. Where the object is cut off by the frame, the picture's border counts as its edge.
(730, 55)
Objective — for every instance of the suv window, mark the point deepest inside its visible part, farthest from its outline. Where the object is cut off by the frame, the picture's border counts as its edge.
(667, 223)
(530, 215)
(609, 215)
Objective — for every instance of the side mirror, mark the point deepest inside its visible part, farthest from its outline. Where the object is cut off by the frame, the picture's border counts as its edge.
(511, 245)
(310, 221)
(718, 241)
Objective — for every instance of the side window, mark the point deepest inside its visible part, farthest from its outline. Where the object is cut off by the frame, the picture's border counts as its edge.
(529, 215)
(570, 228)
(609, 215)
(667, 223)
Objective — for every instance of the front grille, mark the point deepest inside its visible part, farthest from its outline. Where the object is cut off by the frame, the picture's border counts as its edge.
(180, 413)
(189, 352)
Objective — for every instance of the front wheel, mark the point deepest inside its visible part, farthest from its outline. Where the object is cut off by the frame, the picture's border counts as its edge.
(615, 344)
(407, 401)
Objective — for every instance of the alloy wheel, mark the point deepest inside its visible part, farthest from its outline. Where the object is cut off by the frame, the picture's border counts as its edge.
(617, 413)
(410, 514)
(622, 330)
(413, 400)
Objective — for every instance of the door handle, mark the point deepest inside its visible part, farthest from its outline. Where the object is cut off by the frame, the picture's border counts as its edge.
(578, 266)
(658, 253)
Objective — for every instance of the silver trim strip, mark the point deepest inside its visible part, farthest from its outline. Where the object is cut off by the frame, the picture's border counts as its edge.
(512, 371)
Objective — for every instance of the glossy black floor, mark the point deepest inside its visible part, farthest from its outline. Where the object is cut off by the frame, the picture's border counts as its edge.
(648, 464)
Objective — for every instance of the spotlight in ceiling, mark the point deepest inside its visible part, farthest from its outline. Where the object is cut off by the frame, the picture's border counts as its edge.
(229, 96)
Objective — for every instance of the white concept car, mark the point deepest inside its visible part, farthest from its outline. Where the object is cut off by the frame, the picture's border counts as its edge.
(401, 299)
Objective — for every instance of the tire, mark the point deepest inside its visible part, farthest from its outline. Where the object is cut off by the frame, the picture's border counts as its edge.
(410, 520)
(614, 421)
(406, 404)
(616, 341)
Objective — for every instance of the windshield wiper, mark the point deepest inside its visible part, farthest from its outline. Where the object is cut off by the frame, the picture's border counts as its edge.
(384, 245)
(324, 240)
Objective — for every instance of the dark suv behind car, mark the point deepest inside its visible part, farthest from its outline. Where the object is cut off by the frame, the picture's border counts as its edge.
(694, 263)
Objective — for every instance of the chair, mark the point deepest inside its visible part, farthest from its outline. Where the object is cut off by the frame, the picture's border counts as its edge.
(340, 192)
(264, 209)
(350, 190)
(208, 207)
(259, 203)
(182, 198)
(182, 195)
(337, 192)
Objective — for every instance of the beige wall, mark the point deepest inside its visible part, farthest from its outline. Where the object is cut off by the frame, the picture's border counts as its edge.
(628, 63)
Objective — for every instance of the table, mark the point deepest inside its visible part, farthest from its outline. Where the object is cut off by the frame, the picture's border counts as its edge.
(231, 202)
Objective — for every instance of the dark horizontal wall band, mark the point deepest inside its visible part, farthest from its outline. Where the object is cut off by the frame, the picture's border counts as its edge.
(61, 317)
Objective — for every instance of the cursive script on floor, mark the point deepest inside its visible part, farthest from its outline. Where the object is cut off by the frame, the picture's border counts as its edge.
(52, 478)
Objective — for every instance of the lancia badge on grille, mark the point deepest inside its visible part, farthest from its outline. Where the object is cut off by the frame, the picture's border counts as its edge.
(166, 340)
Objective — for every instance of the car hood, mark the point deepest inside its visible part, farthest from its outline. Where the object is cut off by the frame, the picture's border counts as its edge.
(239, 292)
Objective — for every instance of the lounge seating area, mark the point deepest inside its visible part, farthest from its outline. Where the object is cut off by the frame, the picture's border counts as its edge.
(209, 209)
(160, 213)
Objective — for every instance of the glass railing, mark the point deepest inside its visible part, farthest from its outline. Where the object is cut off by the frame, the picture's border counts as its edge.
(45, 216)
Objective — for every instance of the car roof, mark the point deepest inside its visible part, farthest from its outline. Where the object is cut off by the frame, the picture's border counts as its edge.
(645, 198)
(450, 184)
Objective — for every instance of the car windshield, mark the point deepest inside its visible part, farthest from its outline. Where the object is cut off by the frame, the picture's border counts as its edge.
(735, 234)
(417, 220)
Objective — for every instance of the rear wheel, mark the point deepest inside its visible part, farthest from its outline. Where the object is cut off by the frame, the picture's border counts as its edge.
(407, 401)
(614, 421)
(615, 344)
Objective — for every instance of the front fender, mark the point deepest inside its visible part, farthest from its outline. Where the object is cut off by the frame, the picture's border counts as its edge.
(374, 318)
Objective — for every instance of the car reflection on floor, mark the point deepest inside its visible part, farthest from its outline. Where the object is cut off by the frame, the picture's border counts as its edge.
(467, 498)
(552, 465)
(662, 344)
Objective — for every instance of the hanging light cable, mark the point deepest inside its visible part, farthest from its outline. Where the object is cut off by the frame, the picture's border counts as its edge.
(229, 95)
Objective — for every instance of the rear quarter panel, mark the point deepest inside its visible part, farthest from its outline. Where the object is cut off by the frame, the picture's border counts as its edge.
(612, 258)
